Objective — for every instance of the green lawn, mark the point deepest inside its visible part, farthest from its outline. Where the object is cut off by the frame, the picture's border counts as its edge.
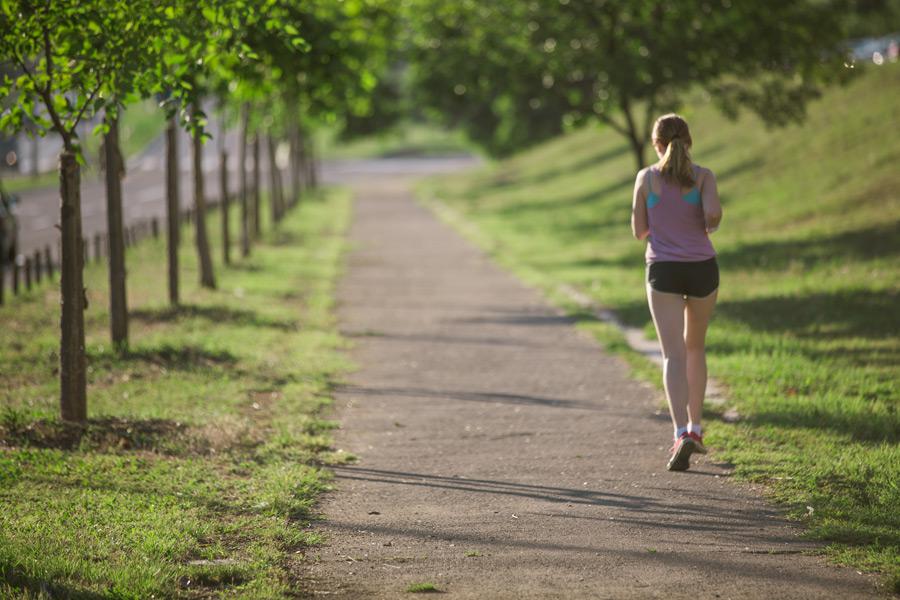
(202, 458)
(807, 332)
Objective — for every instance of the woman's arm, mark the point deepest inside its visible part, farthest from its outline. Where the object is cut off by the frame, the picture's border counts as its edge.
(640, 226)
(709, 198)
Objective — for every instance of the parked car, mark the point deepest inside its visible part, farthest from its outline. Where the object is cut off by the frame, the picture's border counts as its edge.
(9, 228)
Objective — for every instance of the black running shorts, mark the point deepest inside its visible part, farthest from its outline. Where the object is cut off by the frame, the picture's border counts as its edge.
(695, 279)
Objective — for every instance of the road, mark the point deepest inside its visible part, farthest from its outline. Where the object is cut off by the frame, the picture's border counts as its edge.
(144, 187)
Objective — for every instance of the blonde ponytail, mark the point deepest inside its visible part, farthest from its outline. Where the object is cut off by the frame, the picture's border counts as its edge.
(675, 165)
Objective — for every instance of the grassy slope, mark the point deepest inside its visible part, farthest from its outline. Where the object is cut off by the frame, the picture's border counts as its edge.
(198, 468)
(806, 332)
(406, 139)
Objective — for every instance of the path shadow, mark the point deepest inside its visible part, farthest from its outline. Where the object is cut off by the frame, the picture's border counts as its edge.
(280, 237)
(182, 358)
(859, 425)
(521, 319)
(860, 245)
(645, 510)
(557, 203)
(492, 397)
(214, 314)
(824, 315)
(246, 267)
(505, 179)
(36, 587)
(720, 562)
(449, 339)
(738, 168)
(498, 398)
(102, 434)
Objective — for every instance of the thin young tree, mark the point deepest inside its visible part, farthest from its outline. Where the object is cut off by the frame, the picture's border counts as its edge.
(204, 255)
(173, 209)
(224, 195)
(242, 180)
(115, 170)
(67, 55)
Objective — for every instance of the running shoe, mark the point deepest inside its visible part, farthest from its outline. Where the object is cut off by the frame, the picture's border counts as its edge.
(698, 443)
(681, 451)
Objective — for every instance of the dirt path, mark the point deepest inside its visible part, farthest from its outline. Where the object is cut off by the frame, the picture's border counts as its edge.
(503, 454)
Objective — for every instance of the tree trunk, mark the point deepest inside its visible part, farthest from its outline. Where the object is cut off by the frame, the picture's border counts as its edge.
(638, 149)
(294, 163)
(242, 182)
(204, 259)
(172, 207)
(302, 168)
(313, 178)
(118, 305)
(224, 203)
(72, 371)
(282, 204)
(637, 140)
(274, 203)
(257, 226)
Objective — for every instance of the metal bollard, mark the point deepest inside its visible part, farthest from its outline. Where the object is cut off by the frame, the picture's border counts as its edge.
(16, 273)
(36, 265)
(27, 274)
(48, 262)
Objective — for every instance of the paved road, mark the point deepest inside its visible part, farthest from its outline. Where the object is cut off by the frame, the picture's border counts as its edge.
(503, 454)
(143, 192)
(144, 187)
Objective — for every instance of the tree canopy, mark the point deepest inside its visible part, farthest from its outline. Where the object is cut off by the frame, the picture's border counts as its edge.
(515, 73)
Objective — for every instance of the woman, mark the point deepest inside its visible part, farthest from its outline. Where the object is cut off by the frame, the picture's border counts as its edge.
(675, 207)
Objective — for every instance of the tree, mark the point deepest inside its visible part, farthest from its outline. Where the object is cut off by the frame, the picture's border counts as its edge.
(224, 199)
(115, 167)
(128, 60)
(536, 67)
(67, 74)
(173, 208)
(189, 41)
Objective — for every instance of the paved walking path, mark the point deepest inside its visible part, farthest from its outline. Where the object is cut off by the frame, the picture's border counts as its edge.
(503, 454)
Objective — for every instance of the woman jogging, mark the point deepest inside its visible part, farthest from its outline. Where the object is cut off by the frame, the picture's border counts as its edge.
(675, 207)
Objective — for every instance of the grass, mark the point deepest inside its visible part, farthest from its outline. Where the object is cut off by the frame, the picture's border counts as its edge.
(806, 331)
(204, 451)
(406, 139)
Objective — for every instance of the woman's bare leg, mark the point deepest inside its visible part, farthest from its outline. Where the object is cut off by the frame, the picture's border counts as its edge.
(698, 312)
(668, 316)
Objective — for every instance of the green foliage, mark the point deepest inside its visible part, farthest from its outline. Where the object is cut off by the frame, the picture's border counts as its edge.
(514, 73)
(867, 18)
(74, 59)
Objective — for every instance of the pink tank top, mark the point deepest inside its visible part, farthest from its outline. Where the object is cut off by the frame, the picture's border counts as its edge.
(677, 225)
